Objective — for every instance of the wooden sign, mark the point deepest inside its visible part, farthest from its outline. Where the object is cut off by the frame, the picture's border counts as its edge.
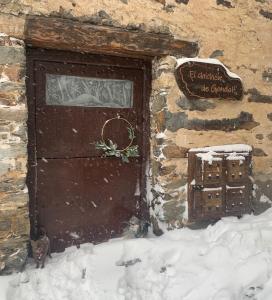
(197, 78)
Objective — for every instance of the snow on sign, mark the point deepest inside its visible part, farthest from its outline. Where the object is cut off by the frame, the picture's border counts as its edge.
(207, 78)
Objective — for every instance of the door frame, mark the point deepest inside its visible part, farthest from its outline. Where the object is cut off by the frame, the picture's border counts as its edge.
(40, 54)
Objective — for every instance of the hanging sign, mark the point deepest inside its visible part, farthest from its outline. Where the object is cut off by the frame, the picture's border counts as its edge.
(207, 78)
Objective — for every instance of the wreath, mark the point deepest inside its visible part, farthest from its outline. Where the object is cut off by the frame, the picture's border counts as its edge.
(111, 149)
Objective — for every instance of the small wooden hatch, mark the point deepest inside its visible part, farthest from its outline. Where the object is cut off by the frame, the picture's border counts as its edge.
(219, 182)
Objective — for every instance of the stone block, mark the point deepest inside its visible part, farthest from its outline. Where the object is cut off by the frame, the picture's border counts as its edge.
(12, 94)
(5, 126)
(20, 131)
(9, 40)
(12, 181)
(156, 229)
(256, 96)
(155, 168)
(176, 121)
(258, 152)
(159, 102)
(174, 151)
(6, 166)
(13, 253)
(14, 223)
(13, 201)
(13, 150)
(160, 121)
(13, 25)
(14, 72)
(166, 170)
(269, 136)
(267, 75)
(200, 105)
(173, 210)
(259, 136)
(176, 183)
(16, 113)
(5, 225)
(12, 55)
(163, 65)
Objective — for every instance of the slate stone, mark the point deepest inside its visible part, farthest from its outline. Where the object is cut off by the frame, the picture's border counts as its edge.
(182, 1)
(155, 225)
(256, 96)
(267, 75)
(63, 13)
(269, 136)
(263, 188)
(258, 152)
(159, 103)
(17, 115)
(5, 225)
(5, 1)
(199, 105)
(266, 14)
(15, 150)
(217, 53)
(175, 121)
(160, 121)
(175, 184)
(160, 141)
(156, 165)
(12, 184)
(169, 8)
(173, 210)
(174, 151)
(166, 170)
(15, 262)
(224, 3)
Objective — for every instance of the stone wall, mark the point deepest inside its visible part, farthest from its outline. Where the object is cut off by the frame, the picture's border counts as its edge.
(237, 32)
(180, 124)
(14, 222)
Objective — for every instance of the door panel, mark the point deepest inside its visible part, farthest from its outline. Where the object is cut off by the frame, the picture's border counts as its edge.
(77, 195)
(85, 194)
(70, 126)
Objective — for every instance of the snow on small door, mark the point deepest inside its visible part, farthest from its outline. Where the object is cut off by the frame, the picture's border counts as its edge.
(219, 182)
(75, 193)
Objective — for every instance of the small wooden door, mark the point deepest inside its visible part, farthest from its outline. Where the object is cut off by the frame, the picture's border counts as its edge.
(219, 183)
(75, 193)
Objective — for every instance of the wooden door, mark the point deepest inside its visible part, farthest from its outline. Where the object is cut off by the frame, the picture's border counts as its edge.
(75, 193)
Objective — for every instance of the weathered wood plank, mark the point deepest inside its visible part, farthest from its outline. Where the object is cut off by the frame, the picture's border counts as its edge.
(63, 34)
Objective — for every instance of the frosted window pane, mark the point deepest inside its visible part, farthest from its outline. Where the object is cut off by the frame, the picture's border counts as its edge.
(87, 91)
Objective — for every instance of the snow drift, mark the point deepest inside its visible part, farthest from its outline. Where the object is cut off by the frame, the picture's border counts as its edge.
(231, 260)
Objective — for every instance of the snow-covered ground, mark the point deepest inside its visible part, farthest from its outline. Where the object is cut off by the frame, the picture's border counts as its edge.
(231, 260)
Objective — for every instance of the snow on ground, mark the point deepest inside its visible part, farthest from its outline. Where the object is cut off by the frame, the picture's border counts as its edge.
(231, 260)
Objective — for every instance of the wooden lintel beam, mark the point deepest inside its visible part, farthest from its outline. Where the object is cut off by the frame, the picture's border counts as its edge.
(64, 34)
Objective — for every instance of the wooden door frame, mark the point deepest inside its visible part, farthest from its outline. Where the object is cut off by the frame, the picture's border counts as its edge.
(38, 54)
(73, 35)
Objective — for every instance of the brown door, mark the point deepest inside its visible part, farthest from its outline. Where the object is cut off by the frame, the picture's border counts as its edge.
(77, 195)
